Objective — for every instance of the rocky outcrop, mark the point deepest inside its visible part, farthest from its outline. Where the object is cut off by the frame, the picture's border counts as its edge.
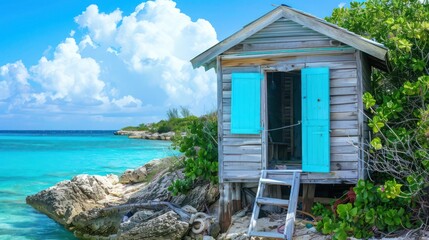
(128, 207)
(167, 226)
(69, 198)
(146, 135)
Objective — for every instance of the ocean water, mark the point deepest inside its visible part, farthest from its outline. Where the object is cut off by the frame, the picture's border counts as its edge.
(31, 161)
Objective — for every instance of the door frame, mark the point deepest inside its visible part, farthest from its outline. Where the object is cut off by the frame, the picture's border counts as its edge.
(264, 103)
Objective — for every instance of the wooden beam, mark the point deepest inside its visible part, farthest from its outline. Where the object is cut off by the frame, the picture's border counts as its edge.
(308, 192)
(225, 206)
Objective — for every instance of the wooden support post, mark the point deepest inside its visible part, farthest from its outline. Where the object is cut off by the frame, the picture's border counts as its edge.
(308, 192)
(236, 198)
(225, 207)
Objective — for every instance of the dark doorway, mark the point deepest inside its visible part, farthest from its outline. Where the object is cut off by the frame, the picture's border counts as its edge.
(284, 110)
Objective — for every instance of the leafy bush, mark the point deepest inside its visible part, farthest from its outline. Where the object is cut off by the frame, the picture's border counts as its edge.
(199, 146)
(397, 107)
(376, 209)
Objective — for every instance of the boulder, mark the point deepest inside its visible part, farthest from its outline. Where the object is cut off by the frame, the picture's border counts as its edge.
(165, 226)
(65, 200)
(134, 175)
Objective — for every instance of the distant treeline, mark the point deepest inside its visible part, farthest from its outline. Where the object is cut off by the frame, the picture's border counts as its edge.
(177, 121)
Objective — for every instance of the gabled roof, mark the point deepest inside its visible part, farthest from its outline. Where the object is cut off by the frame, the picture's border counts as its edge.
(376, 51)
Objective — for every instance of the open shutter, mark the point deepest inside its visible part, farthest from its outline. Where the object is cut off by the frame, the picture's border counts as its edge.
(246, 103)
(315, 120)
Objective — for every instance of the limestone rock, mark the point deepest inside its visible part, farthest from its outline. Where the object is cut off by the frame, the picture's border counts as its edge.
(93, 207)
(68, 198)
(166, 226)
(133, 176)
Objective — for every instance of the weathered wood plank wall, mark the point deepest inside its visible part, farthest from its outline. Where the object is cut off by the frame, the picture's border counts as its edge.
(242, 153)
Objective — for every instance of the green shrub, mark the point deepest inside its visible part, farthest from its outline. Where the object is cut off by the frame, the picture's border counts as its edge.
(376, 209)
(199, 146)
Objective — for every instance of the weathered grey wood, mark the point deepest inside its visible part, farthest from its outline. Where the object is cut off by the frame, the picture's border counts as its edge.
(285, 43)
(334, 32)
(264, 112)
(224, 206)
(275, 182)
(343, 124)
(345, 157)
(344, 149)
(344, 132)
(241, 141)
(360, 114)
(256, 207)
(308, 191)
(241, 166)
(293, 202)
(342, 115)
(296, 52)
(247, 31)
(246, 149)
(341, 166)
(344, 141)
(343, 73)
(310, 61)
(343, 82)
(272, 201)
(350, 107)
(338, 91)
(243, 158)
(220, 120)
(236, 198)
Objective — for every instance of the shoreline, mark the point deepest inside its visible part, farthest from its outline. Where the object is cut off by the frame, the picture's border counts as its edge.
(168, 136)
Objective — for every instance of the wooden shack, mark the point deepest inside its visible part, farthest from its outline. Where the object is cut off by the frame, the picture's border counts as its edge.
(290, 91)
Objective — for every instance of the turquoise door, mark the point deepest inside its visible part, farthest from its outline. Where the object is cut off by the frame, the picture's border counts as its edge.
(315, 120)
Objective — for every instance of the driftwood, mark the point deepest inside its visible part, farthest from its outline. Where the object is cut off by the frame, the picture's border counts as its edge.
(153, 205)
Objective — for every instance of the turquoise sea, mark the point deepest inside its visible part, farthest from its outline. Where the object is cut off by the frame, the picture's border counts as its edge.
(31, 161)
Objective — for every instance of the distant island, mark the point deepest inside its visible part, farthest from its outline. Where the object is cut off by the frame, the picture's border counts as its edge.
(176, 123)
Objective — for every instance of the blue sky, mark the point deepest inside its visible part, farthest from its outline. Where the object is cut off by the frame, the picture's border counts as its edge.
(105, 64)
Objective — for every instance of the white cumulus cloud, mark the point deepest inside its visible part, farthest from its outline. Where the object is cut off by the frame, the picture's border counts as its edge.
(101, 25)
(157, 41)
(123, 68)
(13, 80)
(69, 76)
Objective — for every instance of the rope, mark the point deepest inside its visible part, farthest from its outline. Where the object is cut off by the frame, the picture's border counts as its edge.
(288, 126)
(202, 221)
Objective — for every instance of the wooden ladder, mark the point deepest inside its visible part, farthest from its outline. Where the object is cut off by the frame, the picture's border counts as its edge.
(292, 179)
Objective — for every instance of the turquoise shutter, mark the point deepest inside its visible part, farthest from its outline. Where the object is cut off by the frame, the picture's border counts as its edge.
(246, 103)
(315, 120)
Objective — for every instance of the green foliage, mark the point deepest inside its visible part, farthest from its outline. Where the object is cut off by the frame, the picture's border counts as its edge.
(398, 104)
(172, 113)
(141, 127)
(185, 112)
(173, 124)
(199, 146)
(376, 209)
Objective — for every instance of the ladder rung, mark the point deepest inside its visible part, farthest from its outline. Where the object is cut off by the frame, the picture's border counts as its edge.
(267, 234)
(276, 182)
(272, 201)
